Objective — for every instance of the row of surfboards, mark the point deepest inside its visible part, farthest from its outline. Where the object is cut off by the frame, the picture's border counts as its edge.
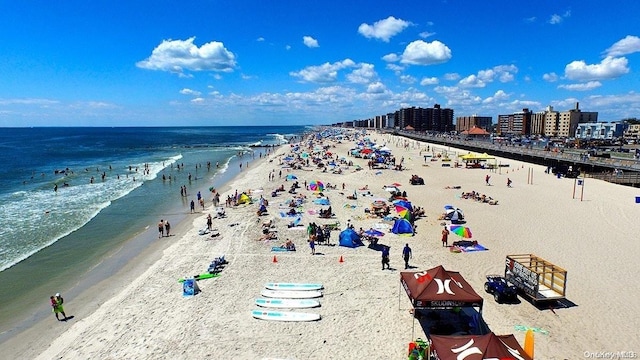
(288, 296)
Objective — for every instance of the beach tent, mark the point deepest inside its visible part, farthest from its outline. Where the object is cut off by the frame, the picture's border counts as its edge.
(244, 199)
(402, 227)
(438, 288)
(349, 238)
(477, 347)
(190, 287)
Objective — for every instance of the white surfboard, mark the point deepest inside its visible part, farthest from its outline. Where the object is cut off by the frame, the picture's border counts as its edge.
(284, 315)
(292, 286)
(291, 294)
(287, 303)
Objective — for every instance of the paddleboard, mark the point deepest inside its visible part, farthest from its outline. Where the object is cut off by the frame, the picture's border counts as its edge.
(203, 276)
(290, 294)
(284, 315)
(293, 286)
(288, 303)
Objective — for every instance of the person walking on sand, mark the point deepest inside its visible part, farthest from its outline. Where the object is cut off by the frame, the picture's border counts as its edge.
(385, 257)
(193, 206)
(312, 244)
(486, 180)
(167, 227)
(406, 255)
(209, 222)
(160, 229)
(509, 182)
(445, 237)
(56, 304)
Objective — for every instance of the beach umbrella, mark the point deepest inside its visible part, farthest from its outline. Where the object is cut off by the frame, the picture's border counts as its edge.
(461, 231)
(396, 184)
(366, 151)
(403, 212)
(305, 155)
(316, 185)
(374, 233)
(403, 203)
(288, 158)
(454, 212)
(291, 177)
(446, 207)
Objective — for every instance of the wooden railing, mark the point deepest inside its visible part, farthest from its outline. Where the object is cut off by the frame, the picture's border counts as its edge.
(630, 178)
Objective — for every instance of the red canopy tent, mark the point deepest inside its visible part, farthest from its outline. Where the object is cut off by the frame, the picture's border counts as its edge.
(477, 347)
(438, 288)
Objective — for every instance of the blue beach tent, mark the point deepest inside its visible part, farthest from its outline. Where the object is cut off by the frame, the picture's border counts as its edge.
(402, 227)
(190, 287)
(349, 238)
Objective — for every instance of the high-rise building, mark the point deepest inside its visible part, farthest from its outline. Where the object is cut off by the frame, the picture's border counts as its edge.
(551, 122)
(517, 123)
(465, 123)
(568, 121)
(429, 119)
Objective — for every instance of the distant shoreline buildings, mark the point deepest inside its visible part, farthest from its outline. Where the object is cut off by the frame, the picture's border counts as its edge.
(549, 123)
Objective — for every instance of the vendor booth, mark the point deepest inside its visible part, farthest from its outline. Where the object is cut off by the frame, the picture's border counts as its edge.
(443, 302)
(481, 161)
(477, 347)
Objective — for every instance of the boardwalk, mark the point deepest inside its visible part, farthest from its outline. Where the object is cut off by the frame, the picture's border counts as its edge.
(593, 167)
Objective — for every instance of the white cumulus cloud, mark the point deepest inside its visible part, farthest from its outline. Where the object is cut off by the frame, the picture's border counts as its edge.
(472, 81)
(629, 45)
(363, 75)
(550, 77)
(376, 88)
(383, 29)
(557, 19)
(504, 73)
(500, 95)
(608, 68)
(179, 55)
(426, 53)
(451, 76)
(407, 79)
(582, 86)
(186, 91)
(324, 73)
(429, 81)
(310, 42)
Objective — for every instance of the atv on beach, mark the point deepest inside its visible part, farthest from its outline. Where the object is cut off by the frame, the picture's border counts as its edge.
(502, 290)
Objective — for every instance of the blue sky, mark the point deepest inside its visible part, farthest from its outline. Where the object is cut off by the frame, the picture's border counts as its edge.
(285, 62)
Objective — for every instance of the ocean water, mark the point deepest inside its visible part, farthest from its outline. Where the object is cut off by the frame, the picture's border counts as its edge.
(112, 183)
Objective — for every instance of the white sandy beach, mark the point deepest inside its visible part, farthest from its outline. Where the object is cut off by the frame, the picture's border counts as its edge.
(365, 313)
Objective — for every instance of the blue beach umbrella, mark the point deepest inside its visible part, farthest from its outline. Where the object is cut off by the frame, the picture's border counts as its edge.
(291, 177)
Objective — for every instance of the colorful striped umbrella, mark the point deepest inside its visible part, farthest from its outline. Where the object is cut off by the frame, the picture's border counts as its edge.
(404, 203)
(461, 231)
(316, 186)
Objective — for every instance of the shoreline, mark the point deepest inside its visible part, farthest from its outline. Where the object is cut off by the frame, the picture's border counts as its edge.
(115, 270)
(149, 317)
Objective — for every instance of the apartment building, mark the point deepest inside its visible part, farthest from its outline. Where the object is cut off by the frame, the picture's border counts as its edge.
(465, 123)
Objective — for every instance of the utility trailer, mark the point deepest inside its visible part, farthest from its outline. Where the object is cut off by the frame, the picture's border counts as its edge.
(535, 277)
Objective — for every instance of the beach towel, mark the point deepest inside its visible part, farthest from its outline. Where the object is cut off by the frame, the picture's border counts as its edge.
(467, 248)
(282, 214)
(472, 248)
(281, 249)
